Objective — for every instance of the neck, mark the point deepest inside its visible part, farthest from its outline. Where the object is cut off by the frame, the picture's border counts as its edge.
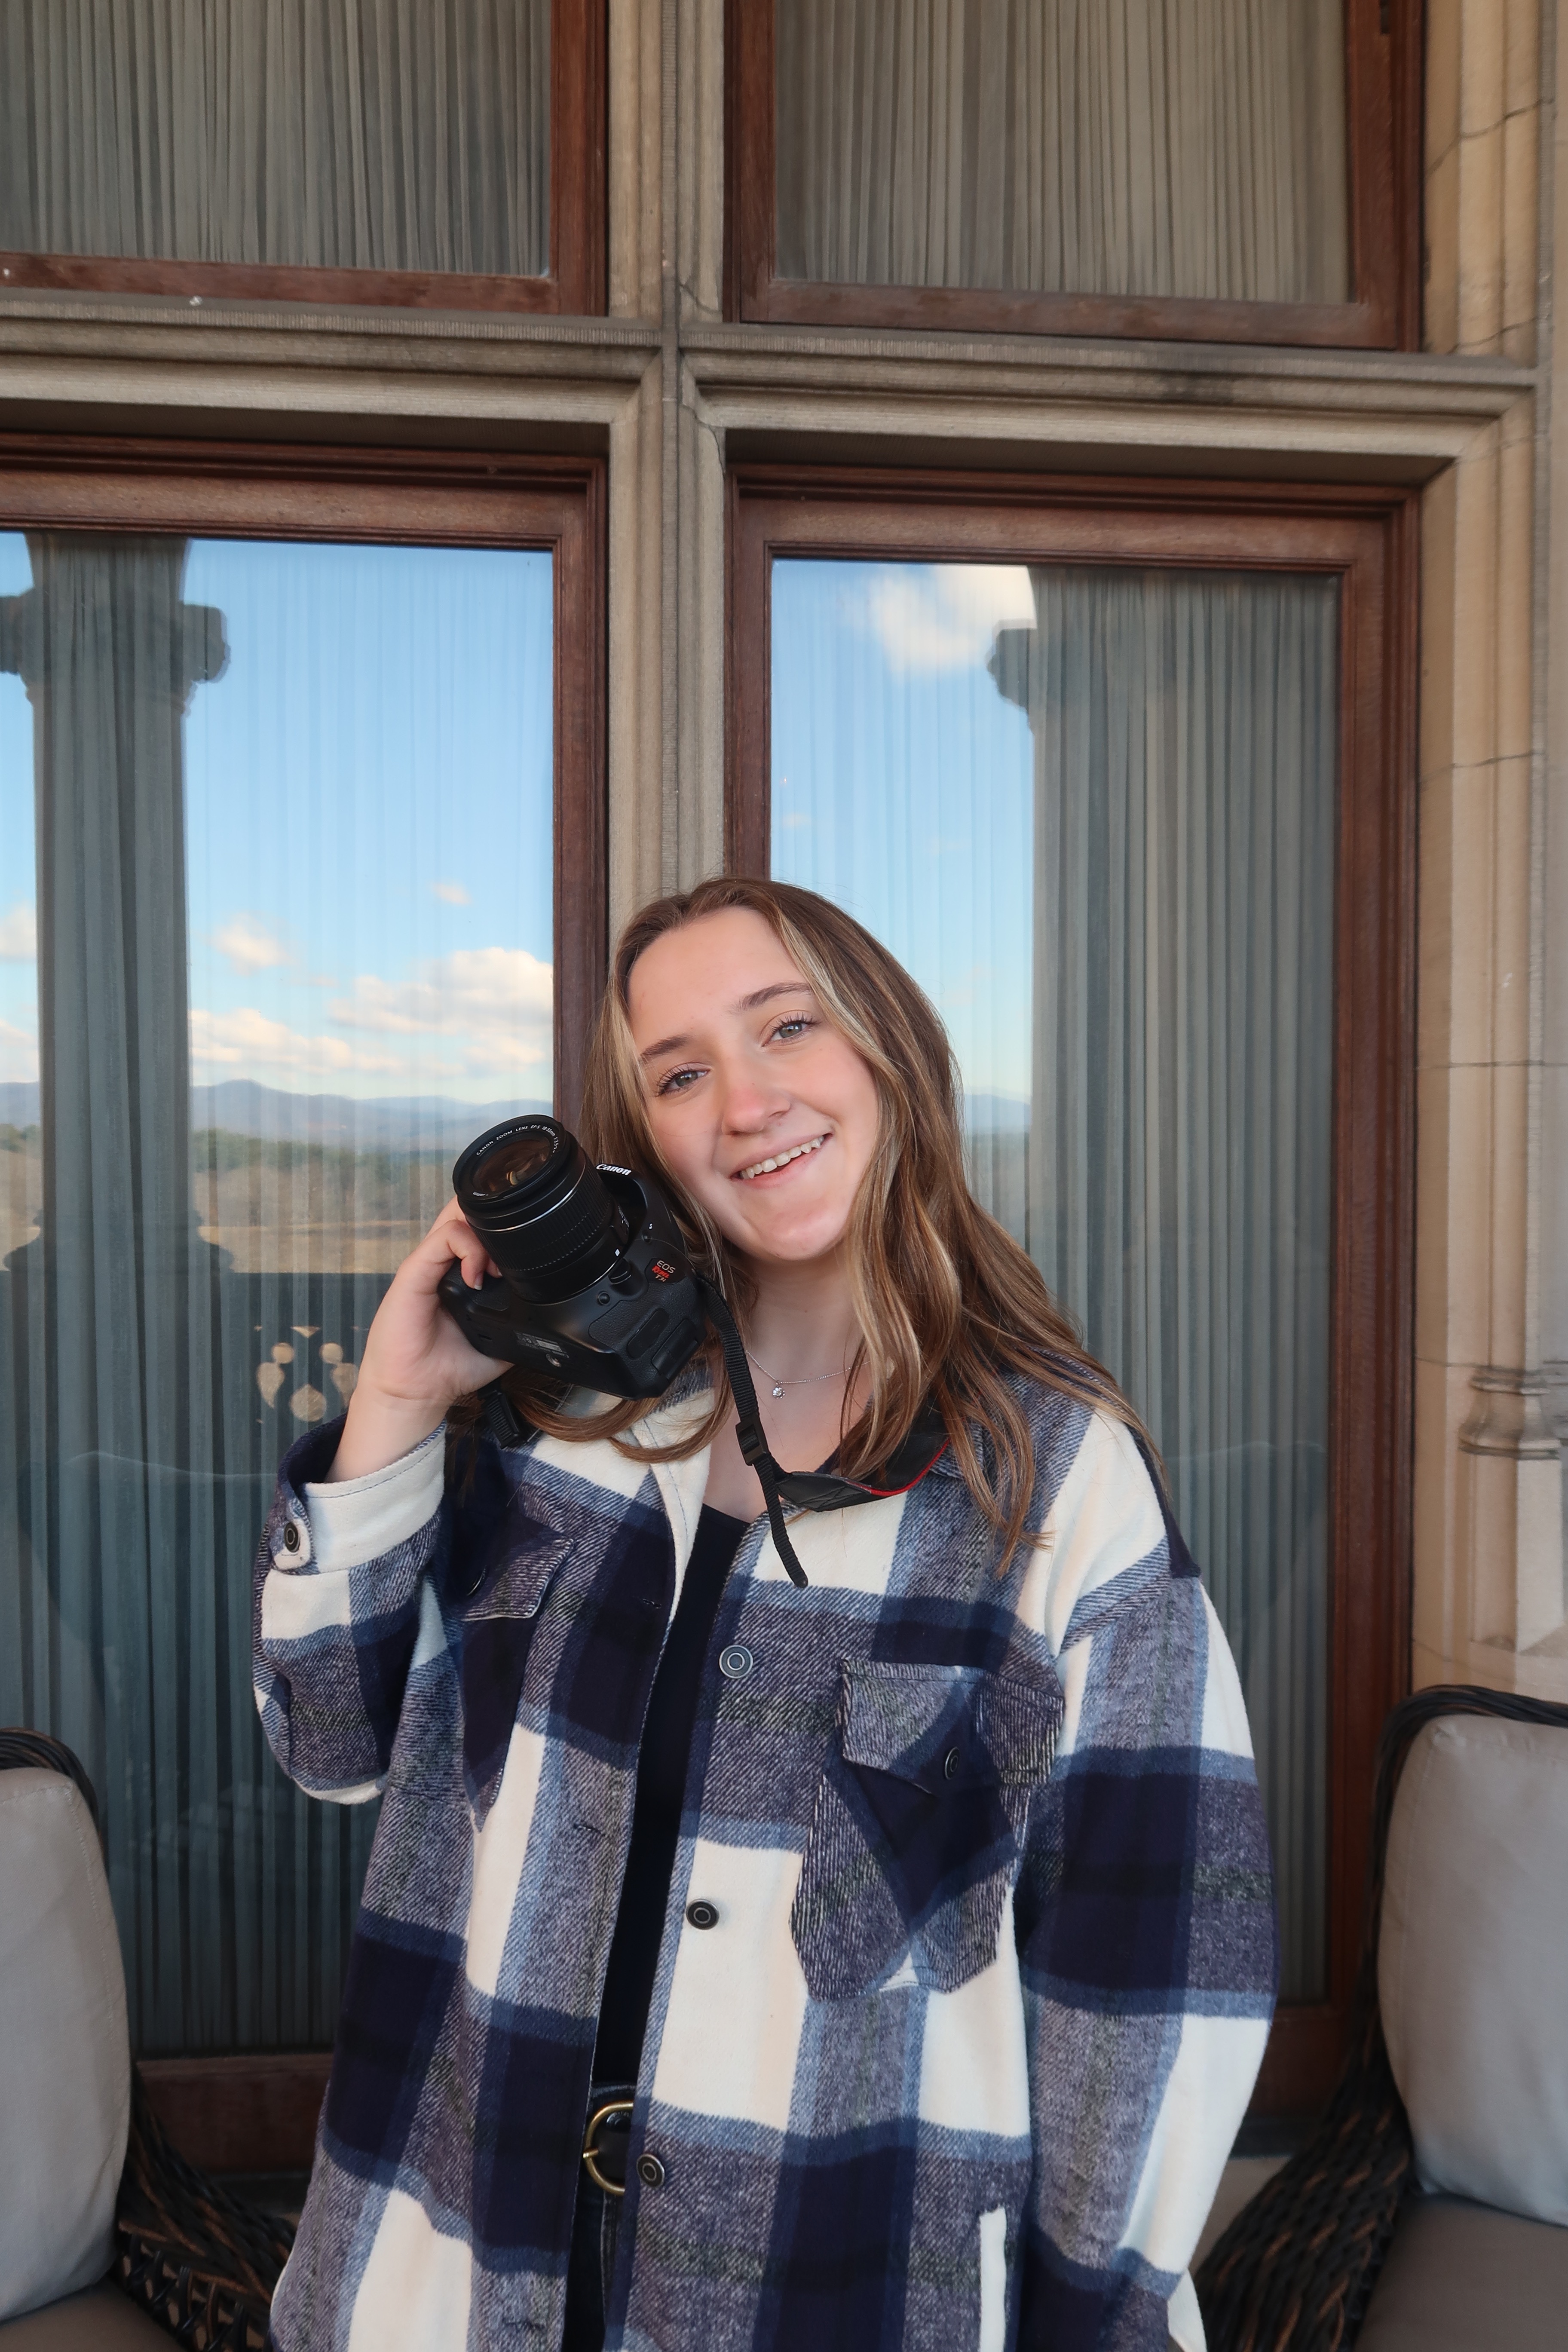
(801, 1322)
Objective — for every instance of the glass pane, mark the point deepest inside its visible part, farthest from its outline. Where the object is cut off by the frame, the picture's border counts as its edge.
(1126, 147)
(275, 923)
(351, 135)
(1093, 811)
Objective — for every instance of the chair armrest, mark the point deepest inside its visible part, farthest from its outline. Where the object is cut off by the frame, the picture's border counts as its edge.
(199, 2260)
(1295, 2270)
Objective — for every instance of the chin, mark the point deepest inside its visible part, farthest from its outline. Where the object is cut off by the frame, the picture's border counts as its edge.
(798, 1245)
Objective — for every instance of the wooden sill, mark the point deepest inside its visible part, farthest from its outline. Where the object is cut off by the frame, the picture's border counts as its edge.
(251, 2113)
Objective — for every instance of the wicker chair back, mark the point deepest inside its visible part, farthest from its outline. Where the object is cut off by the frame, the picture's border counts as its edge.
(1295, 2270)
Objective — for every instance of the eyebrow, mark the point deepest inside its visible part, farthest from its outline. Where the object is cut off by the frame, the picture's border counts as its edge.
(758, 997)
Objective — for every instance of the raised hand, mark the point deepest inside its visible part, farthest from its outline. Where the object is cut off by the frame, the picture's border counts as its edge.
(416, 1361)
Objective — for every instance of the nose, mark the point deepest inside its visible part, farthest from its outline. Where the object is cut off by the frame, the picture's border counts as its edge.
(750, 1105)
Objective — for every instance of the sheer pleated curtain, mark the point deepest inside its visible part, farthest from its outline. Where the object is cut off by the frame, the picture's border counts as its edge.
(1179, 1166)
(364, 134)
(234, 820)
(1092, 808)
(1192, 148)
(134, 1469)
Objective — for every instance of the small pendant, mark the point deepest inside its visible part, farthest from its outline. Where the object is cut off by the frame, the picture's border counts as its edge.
(779, 1391)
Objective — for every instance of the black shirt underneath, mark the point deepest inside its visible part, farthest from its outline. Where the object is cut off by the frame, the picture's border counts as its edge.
(660, 1795)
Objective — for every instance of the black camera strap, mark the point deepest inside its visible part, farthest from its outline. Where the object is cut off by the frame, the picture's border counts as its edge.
(754, 1447)
(812, 1490)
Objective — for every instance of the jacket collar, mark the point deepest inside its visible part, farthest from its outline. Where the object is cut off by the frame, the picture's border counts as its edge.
(926, 1449)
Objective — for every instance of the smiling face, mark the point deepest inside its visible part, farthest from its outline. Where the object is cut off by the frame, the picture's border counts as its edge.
(764, 1112)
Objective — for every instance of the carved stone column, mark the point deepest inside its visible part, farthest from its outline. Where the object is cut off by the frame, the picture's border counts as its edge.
(101, 1316)
(108, 655)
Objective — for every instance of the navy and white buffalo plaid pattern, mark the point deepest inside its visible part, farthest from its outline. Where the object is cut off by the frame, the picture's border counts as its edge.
(962, 2059)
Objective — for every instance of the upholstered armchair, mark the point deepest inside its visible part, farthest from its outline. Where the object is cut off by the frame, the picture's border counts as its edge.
(108, 2238)
(1428, 2212)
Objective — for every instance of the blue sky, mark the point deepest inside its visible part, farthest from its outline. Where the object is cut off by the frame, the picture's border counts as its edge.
(368, 793)
(368, 821)
(18, 980)
(902, 783)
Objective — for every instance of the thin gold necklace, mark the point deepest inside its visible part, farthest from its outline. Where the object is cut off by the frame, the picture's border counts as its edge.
(780, 1386)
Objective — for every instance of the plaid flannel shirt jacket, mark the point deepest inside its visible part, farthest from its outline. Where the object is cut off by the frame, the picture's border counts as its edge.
(961, 2062)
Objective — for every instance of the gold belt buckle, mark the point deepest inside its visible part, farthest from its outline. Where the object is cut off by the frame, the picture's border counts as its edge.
(590, 2146)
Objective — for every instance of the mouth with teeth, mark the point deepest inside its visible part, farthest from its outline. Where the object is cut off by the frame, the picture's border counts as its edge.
(780, 1159)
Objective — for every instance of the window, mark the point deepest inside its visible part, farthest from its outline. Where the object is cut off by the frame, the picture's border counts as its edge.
(445, 153)
(1231, 170)
(1086, 760)
(303, 885)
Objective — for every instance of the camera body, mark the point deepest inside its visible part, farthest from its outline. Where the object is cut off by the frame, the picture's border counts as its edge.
(595, 1288)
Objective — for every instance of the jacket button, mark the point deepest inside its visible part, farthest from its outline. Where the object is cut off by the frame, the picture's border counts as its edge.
(650, 2171)
(950, 1763)
(736, 1662)
(702, 1915)
(290, 1535)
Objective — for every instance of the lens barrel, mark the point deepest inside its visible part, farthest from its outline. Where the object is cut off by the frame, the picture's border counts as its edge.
(538, 1203)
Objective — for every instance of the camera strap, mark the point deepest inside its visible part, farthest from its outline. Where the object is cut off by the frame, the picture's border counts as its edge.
(811, 1490)
(754, 1447)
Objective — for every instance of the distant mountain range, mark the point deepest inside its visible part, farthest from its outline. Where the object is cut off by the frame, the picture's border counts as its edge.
(398, 1122)
(996, 1114)
(403, 1122)
(409, 1122)
(19, 1105)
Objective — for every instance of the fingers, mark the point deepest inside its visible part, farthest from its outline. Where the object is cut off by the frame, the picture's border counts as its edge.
(475, 1259)
(470, 1253)
(451, 1236)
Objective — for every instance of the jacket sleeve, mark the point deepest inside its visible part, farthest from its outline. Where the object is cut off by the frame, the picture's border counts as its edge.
(338, 1597)
(1145, 1924)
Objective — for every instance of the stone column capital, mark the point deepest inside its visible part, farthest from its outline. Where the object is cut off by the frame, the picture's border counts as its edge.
(20, 650)
(198, 646)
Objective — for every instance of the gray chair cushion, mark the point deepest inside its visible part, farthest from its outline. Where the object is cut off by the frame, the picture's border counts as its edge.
(65, 2058)
(1464, 2278)
(1471, 1971)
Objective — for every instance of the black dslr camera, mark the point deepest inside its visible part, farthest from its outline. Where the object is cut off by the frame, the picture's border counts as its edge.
(595, 1288)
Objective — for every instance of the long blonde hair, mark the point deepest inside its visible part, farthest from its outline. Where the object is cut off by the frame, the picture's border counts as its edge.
(947, 1303)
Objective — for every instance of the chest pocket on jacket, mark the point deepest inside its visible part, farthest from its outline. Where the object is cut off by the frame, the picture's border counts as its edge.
(919, 1823)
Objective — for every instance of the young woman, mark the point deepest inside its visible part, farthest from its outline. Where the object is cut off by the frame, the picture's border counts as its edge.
(899, 1949)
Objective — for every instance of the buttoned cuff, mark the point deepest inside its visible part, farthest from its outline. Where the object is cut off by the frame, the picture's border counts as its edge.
(356, 1520)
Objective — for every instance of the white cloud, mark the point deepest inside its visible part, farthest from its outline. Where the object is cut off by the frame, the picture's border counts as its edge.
(498, 1002)
(451, 894)
(937, 616)
(19, 935)
(18, 1055)
(249, 1036)
(248, 945)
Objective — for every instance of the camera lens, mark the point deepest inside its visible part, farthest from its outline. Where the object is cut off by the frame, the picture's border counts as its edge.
(512, 1163)
(531, 1192)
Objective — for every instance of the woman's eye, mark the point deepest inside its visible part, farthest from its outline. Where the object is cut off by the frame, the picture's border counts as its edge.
(675, 1082)
(795, 1026)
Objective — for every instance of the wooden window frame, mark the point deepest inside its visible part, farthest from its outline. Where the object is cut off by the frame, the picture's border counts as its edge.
(418, 498)
(1369, 538)
(256, 2112)
(1384, 73)
(575, 286)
